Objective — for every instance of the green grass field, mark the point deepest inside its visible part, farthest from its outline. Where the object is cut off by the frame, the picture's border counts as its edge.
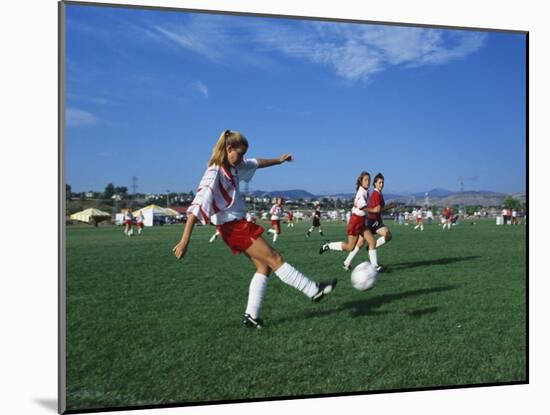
(145, 329)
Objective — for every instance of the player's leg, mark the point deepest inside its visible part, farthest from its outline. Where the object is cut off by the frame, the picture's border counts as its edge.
(256, 293)
(261, 251)
(359, 244)
(371, 241)
(385, 234)
(277, 228)
(347, 246)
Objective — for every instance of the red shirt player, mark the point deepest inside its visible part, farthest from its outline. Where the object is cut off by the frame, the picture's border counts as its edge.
(375, 225)
(290, 218)
(447, 214)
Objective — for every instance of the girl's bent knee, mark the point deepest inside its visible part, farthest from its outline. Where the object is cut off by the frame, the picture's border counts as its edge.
(276, 260)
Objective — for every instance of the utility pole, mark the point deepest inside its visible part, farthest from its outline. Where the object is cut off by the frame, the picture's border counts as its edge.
(134, 185)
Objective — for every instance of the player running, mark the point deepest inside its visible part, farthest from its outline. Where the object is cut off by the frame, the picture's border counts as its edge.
(356, 225)
(419, 219)
(375, 226)
(447, 215)
(276, 212)
(316, 220)
(290, 219)
(128, 219)
(218, 198)
(139, 222)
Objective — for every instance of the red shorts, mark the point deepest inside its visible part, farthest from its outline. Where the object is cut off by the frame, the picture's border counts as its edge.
(128, 222)
(239, 234)
(276, 224)
(356, 225)
(140, 225)
(419, 220)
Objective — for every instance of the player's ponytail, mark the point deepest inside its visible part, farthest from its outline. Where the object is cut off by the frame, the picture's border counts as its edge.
(360, 179)
(227, 138)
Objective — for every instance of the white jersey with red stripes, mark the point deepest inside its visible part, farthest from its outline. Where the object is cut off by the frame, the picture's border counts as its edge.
(361, 200)
(277, 212)
(218, 199)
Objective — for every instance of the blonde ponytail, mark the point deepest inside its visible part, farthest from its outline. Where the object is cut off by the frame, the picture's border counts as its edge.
(227, 138)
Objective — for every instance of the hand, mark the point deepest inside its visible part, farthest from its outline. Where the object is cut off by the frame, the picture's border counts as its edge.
(179, 250)
(285, 157)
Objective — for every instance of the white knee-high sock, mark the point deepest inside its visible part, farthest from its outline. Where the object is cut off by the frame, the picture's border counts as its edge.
(421, 227)
(291, 276)
(416, 227)
(373, 257)
(256, 292)
(213, 237)
(271, 230)
(335, 246)
(275, 235)
(351, 255)
(380, 241)
(310, 229)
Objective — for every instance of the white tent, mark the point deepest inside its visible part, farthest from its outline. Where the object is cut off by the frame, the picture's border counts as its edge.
(153, 215)
(89, 215)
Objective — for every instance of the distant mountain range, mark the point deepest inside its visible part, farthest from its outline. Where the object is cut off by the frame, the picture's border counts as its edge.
(436, 197)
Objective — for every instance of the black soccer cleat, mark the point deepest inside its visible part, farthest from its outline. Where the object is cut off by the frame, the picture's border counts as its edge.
(346, 267)
(380, 268)
(325, 288)
(252, 323)
(308, 234)
(324, 248)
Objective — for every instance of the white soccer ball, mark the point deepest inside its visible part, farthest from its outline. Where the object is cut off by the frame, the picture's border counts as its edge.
(364, 276)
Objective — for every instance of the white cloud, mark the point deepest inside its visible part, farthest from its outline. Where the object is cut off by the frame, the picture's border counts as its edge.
(357, 51)
(199, 42)
(353, 51)
(77, 117)
(201, 87)
(102, 101)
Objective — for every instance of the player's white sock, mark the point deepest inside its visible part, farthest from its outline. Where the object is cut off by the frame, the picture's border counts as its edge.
(335, 246)
(421, 227)
(256, 291)
(350, 256)
(139, 231)
(373, 257)
(380, 241)
(310, 229)
(212, 238)
(416, 227)
(271, 230)
(291, 276)
(275, 235)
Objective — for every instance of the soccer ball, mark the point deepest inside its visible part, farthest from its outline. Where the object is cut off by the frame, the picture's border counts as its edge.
(364, 276)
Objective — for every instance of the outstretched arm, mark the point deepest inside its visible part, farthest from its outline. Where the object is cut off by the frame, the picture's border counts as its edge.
(272, 162)
(181, 248)
(379, 208)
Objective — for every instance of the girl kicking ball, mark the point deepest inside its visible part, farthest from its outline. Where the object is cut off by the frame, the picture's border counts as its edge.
(218, 198)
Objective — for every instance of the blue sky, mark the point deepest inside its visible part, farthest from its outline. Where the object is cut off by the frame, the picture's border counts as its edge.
(148, 93)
